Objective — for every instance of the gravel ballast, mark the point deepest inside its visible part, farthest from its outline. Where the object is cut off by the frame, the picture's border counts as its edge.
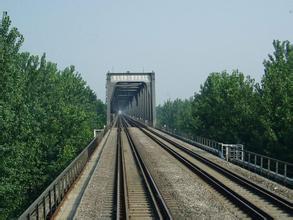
(185, 194)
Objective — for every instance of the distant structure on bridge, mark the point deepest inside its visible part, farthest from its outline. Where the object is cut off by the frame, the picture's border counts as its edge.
(133, 94)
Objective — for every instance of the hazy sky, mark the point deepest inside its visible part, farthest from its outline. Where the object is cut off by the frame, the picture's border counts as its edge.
(182, 41)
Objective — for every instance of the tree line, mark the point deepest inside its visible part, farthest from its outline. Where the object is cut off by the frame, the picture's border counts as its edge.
(233, 108)
(47, 117)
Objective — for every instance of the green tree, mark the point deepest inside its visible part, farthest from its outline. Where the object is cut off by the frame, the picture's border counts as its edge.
(225, 107)
(277, 101)
(176, 116)
(10, 101)
(46, 118)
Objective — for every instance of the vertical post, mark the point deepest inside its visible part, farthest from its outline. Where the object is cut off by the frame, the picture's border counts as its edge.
(138, 105)
(255, 158)
(44, 207)
(269, 164)
(153, 98)
(58, 191)
(227, 153)
(37, 211)
(68, 181)
(108, 98)
(61, 188)
(70, 177)
(65, 183)
(285, 172)
(50, 202)
(76, 171)
(277, 167)
(145, 104)
(54, 194)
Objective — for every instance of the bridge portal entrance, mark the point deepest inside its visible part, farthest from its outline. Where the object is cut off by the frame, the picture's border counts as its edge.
(132, 94)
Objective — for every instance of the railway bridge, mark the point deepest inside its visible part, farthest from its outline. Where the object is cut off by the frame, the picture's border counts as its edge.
(133, 94)
(135, 170)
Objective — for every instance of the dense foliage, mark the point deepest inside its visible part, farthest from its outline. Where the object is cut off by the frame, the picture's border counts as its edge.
(46, 117)
(233, 108)
(176, 115)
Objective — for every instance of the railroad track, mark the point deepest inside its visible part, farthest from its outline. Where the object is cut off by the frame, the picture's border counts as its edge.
(136, 193)
(251, 199)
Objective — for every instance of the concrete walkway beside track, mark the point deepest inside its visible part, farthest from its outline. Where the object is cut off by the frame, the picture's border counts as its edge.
(73, 197)
(98, 198)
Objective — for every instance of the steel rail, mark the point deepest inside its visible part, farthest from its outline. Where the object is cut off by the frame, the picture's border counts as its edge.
(120, 207)
(158, 202)
(124, 179)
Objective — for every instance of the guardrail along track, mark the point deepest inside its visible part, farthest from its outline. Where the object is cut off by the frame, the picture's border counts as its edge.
(47, 203)
(249, 197)
(139, 195)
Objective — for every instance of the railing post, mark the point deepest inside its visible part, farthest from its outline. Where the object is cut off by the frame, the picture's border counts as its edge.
(67, 181)
(285, 172)
(60, 189)
(277, 167)
(64, 184)
(255, 162)
(54, 194)
(37, 211)
(44, 207)
(70, 177)
(58, 192)
(50, 202)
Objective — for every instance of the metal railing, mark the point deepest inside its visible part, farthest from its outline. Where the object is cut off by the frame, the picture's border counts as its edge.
(266, 166)
(45, 205)
(206, 144)
(232, 151)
